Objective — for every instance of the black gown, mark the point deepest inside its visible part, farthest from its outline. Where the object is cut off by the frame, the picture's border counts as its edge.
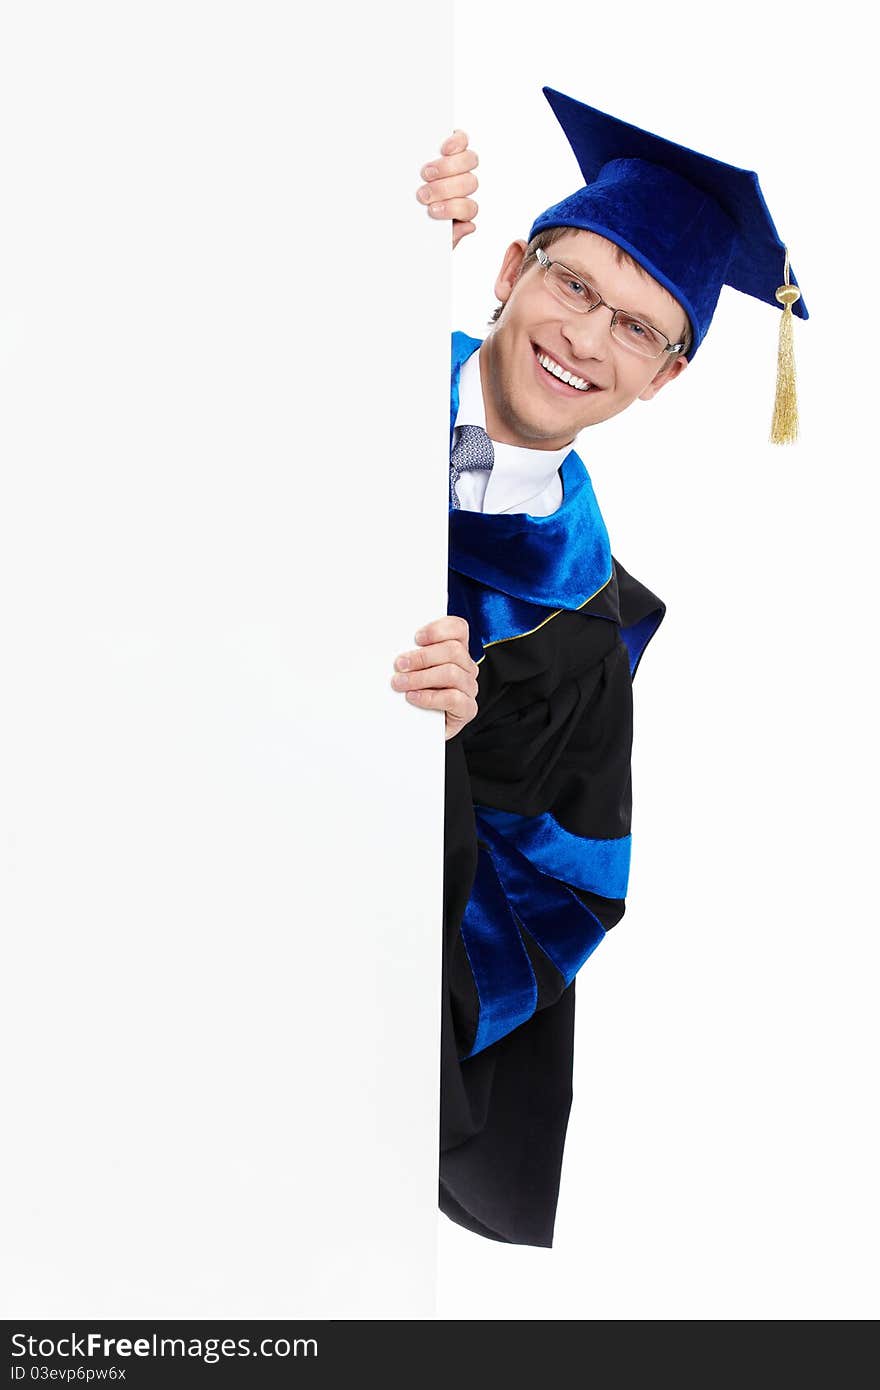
(554, 732)
(549, 748)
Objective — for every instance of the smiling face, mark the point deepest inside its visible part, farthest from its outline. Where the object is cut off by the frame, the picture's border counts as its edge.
(526, 404)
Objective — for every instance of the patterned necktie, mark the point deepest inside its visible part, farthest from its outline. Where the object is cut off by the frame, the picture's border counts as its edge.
(473, 451)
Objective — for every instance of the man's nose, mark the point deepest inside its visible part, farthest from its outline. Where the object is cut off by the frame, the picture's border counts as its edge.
(589, 334)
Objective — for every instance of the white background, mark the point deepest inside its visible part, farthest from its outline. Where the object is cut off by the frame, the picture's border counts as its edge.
(220, 894)
(722, 1153)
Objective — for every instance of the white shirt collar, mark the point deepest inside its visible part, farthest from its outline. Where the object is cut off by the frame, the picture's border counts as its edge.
(518, 474)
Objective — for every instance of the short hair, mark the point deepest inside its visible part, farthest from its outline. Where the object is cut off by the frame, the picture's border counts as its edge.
(549, 235)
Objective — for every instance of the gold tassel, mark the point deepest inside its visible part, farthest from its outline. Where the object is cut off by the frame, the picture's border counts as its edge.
(784, 429)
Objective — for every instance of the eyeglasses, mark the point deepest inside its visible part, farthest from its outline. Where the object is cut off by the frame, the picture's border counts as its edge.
(577, 294)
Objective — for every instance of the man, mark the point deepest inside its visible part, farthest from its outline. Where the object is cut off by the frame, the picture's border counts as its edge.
(607, 302)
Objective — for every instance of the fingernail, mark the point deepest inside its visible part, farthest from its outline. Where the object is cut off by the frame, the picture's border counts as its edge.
(402, 663)
(436, 209)
(430, 172)
(421, 635)
(399, 682)
(424, 195)
(414, 695)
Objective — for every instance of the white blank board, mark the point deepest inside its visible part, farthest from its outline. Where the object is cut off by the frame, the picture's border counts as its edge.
(223, 402)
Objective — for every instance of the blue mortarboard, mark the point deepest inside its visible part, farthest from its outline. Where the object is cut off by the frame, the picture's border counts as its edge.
(693, 223)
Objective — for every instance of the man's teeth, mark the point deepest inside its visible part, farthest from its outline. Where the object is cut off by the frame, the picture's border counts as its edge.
(555, 370)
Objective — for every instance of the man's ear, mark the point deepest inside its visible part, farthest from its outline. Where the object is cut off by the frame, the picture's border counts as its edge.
(666, 374)
(510, 268)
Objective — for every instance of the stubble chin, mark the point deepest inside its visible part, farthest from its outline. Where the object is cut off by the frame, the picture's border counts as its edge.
(530, 424)
(530, 431)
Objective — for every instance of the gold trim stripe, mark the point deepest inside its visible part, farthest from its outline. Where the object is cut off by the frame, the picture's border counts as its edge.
(555, 614)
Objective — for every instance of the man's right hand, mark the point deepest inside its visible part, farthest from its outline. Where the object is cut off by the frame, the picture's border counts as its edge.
(441, 674)
(449, 181)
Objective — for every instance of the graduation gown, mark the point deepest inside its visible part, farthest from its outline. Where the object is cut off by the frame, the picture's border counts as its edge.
(537, 838)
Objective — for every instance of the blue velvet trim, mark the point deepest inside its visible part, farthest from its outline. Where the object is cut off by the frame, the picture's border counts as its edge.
(561, 560)
(463, 347)
(506, 985)
(599, 865)
(509, 892)
(638, 636)
(562, 925)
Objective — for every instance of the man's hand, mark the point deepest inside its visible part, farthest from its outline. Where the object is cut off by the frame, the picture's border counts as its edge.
(441, 674)
(448, 183)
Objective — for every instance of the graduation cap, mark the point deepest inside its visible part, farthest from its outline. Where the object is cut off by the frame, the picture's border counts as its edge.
(693, 223)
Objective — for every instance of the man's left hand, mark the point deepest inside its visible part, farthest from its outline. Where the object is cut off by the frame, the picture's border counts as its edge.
(441, 674)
